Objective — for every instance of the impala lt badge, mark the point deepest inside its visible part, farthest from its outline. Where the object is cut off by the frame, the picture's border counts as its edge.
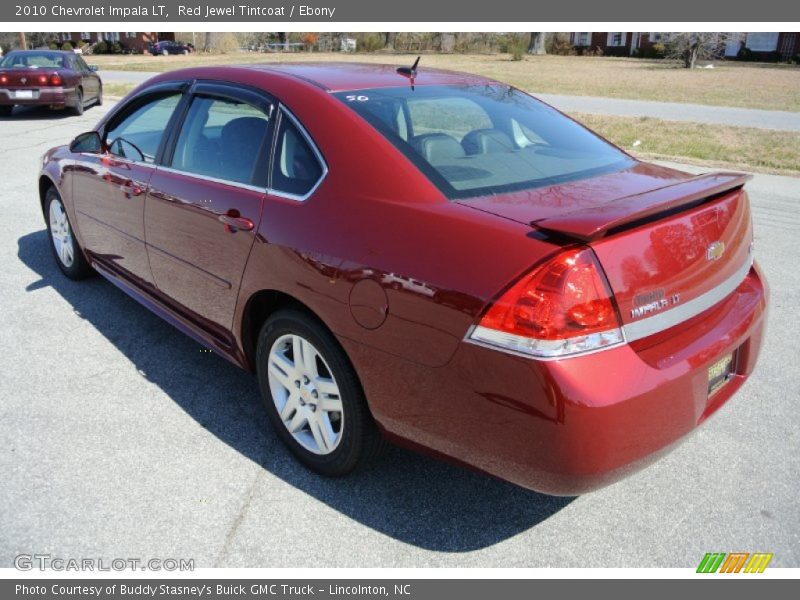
(715, 251)
(652, 301)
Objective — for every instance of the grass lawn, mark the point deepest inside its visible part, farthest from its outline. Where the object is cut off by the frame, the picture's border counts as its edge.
(750, 85)
(733, 147)
(728, 147)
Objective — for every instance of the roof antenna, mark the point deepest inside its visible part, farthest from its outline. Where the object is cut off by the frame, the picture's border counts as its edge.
(410, 72)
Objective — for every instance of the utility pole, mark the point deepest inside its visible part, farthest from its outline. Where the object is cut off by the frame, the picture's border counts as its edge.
(23, 44)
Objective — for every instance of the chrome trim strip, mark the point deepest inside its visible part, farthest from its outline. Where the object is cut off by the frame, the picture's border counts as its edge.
(279, 194)
(245, 186)
(675, 316)
(545, 350)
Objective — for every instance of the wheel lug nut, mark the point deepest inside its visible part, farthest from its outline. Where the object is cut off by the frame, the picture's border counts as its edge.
(305, 379)
(297, 383)
(314, 394)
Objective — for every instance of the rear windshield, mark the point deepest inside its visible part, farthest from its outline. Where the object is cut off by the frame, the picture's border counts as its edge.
(478, 140)
(49, 60)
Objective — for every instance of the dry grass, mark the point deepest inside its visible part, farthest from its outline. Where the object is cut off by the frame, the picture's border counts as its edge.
(751, 85)
(734, 147)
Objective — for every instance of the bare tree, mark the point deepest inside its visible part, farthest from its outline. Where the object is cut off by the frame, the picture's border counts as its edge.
(207, 42)
(536, 44)
(693, 46)
(388, 40)
(23, 44)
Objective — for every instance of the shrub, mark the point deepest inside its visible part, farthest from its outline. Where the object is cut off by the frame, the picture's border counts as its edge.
(309, 40)
(116, 48)
(80, 44)
(66, 47)
(53, 46)
(100, 48)
(517, 48)
(369, 42)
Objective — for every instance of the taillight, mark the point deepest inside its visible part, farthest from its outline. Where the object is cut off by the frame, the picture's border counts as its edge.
(42, 79)
(55, 79)
(3, 79)
(562, 307)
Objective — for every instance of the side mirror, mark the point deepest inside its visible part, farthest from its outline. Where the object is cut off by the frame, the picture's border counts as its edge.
(87, 142)
(94, 68)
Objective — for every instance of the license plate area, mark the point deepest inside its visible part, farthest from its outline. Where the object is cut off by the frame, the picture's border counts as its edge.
(23, 94)
(720, 373)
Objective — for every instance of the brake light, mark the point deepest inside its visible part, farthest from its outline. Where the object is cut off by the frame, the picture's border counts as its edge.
(55, 79)
(562, 307)
(3, 79)
(42, 79)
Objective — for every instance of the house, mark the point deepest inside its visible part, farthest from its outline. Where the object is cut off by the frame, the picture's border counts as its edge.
(136, 41)
(761, 45)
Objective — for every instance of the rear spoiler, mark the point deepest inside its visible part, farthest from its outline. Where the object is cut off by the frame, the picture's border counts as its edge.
(630, 211)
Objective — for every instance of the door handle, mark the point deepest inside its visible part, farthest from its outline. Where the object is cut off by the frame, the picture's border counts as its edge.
(234, 222)
(131, 189)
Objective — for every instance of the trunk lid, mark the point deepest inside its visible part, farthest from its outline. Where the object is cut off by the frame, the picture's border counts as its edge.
(671, 245)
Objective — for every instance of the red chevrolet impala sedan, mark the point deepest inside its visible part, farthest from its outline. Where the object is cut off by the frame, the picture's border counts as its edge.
(426, 257)
(48, 78)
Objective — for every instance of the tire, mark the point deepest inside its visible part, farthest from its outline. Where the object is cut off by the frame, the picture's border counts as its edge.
(99, 100)
(69, 257)
(309, 396)
(78, 108)
(5, 110)
(165, 52)
(186, 53)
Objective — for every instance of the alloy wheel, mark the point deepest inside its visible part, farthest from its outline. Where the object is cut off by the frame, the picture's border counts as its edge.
(61, 234)
(305, 394)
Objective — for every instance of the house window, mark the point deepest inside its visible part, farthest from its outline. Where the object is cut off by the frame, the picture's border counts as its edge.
(762, 42)
(582, 38)
(86, 35)
(131, 34)
(112, 36)
(616, 38)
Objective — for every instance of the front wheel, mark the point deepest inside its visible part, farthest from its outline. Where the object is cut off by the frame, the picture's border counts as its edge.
(99, 100)
(65, 248)
(313, 396)
(5, 110)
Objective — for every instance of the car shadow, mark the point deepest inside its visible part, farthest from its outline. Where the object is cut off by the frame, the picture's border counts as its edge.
(37, 113)
(408, 496)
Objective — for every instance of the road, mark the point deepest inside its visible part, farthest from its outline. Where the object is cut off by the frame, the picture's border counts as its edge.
(119, 437)
(670, 111)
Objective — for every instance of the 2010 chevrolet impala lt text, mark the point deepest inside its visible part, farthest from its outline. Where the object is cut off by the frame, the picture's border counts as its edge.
(425, 257)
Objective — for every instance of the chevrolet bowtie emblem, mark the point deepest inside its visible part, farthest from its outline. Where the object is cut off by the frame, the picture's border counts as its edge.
(715, 251)
(24, 80)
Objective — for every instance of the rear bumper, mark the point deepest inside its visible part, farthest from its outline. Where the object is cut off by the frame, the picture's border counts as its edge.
(569, 426)
(46, 96)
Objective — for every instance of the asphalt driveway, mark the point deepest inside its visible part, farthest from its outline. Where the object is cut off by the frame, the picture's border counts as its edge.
(120, 437)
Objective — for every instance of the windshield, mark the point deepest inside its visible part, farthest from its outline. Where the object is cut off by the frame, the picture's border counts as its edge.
(48, 60)
(483, 139)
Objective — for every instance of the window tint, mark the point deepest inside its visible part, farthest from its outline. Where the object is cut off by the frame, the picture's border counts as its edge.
(473, 140)
(453, 116)
(221, 138)
(50, 60)
(138, 133)
(296, 169)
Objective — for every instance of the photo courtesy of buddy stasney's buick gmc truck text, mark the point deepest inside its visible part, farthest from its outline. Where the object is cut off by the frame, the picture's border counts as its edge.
(424, 257)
